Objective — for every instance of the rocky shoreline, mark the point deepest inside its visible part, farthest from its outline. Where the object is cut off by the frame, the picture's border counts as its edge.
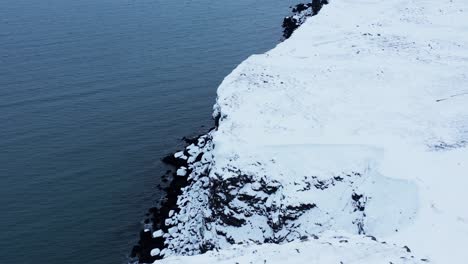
(152, 238)
(157, 226)
(320, 143)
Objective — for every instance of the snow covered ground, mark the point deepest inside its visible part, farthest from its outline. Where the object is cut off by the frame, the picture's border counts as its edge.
(328, 249)
(356, 125)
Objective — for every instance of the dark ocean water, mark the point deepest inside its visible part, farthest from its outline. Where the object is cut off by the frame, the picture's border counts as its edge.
(92, 94)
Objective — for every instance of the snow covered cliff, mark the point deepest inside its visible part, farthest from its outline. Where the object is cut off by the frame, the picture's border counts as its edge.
(347, 143)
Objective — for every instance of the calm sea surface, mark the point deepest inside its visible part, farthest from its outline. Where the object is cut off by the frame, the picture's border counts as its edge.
(92, 94)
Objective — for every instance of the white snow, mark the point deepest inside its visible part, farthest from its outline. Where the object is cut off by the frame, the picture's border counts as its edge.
(182, 171)
(155, 252)
(179, 154)
(158, 233)
(364, 107)
(337, 249)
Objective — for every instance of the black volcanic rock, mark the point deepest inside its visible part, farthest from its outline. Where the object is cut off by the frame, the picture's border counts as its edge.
(300, 13)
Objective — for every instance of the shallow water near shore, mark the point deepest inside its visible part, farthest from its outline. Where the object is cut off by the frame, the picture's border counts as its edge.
(92, 95)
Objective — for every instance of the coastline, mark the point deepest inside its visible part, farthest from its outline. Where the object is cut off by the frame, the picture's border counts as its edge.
(186, 160)
(242, 196)
(158, 218)
(183, 163)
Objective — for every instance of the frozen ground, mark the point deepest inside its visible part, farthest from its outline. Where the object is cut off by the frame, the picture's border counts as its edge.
(334, 249)
(356, 125)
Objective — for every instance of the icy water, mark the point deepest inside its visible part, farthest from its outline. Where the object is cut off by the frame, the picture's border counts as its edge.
(92, 94)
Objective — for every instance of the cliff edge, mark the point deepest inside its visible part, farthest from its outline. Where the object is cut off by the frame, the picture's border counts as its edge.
(346, 143)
